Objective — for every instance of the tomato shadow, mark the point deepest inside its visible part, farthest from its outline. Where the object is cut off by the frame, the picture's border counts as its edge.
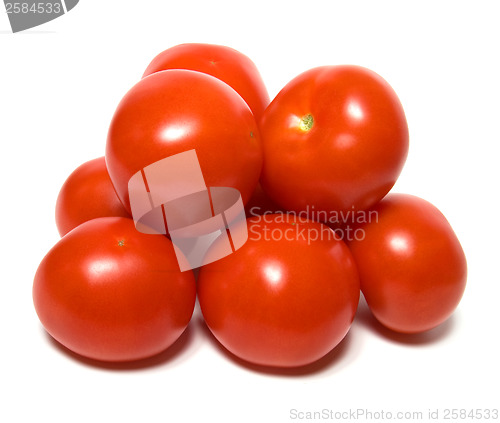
(324, 364)
(176, 352)
(365, 318)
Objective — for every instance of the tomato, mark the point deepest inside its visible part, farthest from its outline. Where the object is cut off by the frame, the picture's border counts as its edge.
(412, 267)
(260, 203)
(335, 138)
(225, 63)
(173, 111)
(87, 194)
(285, 298)
(111, 293)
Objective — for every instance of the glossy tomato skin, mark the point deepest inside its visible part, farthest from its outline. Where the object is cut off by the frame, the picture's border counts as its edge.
(281, 302)
(412, 267)
(173, 111)
(111, 293)
(335, 138)
(87, 194)
(224, 63)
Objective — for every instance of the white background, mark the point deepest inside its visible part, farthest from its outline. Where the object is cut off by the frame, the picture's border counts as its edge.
(59, 86)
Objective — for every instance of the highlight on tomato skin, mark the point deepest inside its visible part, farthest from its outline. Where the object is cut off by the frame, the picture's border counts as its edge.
(111, 293)
(412, 267)
(286, 298)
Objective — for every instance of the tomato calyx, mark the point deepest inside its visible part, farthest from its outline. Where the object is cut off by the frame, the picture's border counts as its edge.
(306, 122)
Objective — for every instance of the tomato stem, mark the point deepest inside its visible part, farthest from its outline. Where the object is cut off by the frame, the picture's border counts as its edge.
(306, 122)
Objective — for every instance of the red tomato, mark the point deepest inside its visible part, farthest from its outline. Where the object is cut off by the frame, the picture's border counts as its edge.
(108, 292)
(412, 267)
(260, 203)
(87, 194)
(173, 111)
(335, 139)
(225, 63)
(284, 299)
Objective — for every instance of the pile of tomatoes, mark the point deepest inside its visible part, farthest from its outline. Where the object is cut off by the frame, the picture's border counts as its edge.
(314, 168)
